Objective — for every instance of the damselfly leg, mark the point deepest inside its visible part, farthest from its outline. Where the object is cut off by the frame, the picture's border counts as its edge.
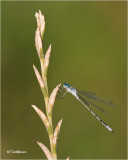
(61, 92)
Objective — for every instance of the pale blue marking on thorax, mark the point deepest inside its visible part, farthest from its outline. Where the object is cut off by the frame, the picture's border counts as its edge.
(72, 91)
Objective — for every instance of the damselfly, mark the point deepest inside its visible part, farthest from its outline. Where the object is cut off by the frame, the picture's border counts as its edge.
(85, 100)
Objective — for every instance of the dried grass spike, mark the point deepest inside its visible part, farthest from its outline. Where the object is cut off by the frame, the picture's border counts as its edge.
(38, 43)
(52, 98)
(40, 22)
(46, 151)
(43, 117)
(47, 56)
(68, 158)
(40, 80)
(42, 66)
(56, 133)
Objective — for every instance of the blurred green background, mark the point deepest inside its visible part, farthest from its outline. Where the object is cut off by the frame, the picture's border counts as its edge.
(89, 52)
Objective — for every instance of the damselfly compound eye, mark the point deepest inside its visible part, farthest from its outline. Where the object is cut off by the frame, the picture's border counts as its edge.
(66, 85)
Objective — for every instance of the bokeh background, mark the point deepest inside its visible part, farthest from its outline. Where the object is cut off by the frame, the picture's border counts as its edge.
(88, 52)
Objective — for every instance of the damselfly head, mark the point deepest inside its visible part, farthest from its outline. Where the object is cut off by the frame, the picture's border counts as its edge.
(66, 85)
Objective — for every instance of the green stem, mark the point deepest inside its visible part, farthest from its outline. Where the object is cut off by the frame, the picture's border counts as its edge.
(49, 116)
(46, 98)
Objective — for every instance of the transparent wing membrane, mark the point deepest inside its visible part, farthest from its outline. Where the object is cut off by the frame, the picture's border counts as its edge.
(89, 102)
(94, 97)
